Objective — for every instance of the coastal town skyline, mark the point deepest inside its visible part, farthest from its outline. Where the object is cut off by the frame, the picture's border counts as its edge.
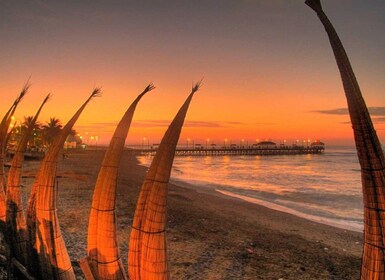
(267, 73)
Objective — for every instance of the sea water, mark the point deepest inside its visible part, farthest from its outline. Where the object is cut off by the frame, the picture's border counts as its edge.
(324, 187)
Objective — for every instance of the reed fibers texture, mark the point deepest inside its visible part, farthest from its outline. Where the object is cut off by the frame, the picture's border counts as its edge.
(53, 260)
(147, 257)
(16, 227)
(370, 156)
(103, 251)
(4, 125)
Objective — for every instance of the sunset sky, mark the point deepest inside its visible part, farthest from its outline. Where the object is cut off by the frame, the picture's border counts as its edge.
(268, 68)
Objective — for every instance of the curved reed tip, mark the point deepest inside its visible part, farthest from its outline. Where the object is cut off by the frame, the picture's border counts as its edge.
(48, 97)
(314, 4)
(23, 92)
(97, 92)
(197, 86)
(150, 87)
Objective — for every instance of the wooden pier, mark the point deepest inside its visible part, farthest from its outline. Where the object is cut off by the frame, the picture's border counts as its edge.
(238, 151)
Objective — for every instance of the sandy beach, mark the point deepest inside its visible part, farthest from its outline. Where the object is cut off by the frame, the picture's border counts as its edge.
(210, 235)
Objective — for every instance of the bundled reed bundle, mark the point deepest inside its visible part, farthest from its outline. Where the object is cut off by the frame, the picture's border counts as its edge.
(53, 260)
(147, 257)
(4, 125)
(370, 156)
(103, 252)
(16, 227)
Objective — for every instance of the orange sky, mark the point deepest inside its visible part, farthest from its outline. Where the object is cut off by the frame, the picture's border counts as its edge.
(268, 68)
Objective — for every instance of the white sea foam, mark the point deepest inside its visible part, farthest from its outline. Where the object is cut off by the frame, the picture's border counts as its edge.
(340, 223)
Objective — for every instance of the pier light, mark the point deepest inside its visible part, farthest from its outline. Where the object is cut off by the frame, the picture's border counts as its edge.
(225, 142)
(188, 142)
(144, 142)
(207, 141)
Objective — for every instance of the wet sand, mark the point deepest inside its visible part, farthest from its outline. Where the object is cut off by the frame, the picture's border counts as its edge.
(210, 235)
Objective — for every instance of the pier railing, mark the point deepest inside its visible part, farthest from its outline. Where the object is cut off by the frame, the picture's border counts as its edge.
(252, 151)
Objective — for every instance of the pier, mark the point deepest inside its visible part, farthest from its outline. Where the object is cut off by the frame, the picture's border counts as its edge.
(237, 151)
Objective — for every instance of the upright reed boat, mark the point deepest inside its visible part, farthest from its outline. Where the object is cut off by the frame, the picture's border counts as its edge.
(104, 261)
(147, 256)
(370, 155)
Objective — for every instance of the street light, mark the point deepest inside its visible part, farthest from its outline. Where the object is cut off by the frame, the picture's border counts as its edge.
(225, 142)
(207, 141)
(188, 141)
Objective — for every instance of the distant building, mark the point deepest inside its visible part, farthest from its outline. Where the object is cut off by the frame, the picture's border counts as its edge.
(198, 147)
(266, 145)
(72, 142)
(69, 144)
(317, 144)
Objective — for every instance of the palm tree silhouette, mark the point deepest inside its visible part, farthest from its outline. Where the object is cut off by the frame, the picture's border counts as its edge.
(50, 130)
(36, 126)
(28, 121)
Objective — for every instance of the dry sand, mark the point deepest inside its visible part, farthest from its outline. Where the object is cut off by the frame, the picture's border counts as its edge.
(210, 236)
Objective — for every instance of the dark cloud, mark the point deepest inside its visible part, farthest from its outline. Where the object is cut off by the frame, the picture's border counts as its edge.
(377, 120)
(374, 111)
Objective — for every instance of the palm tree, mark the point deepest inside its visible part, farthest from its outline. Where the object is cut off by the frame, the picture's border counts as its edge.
(36, 127)
(50, 130)
(28, 122)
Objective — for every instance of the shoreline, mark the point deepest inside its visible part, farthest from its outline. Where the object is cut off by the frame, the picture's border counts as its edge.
(273, 206)
(209, 235)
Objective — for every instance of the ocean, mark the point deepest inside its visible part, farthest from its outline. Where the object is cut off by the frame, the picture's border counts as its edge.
(324, 188)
